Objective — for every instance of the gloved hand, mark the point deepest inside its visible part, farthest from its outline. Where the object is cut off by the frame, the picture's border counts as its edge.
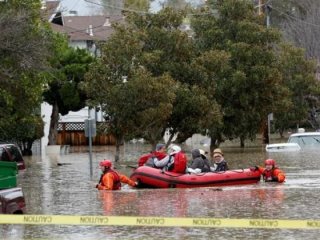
(255, 168)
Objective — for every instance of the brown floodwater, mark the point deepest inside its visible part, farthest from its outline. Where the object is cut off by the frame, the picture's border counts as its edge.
(68, 189)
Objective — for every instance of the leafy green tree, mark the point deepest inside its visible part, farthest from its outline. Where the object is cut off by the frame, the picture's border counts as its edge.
(24, 53)
(167, 49)
(137, 5)
(158, 46)
(247, 91)
(69, 66)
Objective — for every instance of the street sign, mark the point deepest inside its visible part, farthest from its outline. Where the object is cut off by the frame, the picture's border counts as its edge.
(90, 129)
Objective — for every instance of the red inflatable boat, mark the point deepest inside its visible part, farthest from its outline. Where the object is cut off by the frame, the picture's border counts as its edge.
(156, 178)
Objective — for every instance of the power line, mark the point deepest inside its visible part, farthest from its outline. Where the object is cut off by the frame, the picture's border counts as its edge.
(137, 11)
(296, 18)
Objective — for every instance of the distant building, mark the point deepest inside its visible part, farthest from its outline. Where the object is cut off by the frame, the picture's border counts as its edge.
(83, 32)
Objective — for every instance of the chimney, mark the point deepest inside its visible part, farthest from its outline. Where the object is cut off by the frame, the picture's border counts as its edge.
(107, 22)
(90, 30)
(43, 4)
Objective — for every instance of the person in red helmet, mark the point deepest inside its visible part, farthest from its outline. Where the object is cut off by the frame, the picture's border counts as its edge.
(110, 179)
(271, 173)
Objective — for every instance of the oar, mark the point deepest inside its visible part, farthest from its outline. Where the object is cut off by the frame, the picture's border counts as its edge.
(129, 166)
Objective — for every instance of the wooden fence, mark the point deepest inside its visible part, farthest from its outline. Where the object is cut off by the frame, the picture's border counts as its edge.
(72, 133)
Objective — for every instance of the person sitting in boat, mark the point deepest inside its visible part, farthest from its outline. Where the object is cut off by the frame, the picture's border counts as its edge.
(110, 179)
(159, 153)
(175, 161)
(199, 162)
(220, 164)
(271, 173)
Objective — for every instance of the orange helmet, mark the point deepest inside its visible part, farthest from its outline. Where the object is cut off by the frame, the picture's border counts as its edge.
(106, 163)
(269, 162)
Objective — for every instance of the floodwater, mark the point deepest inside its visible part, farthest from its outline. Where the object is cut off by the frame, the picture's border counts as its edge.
(68, 189)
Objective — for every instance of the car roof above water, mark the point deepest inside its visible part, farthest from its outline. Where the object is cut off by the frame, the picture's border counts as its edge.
(305, 134)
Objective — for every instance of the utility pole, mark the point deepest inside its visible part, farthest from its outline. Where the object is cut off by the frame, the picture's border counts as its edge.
(259, 7)
(268, 10)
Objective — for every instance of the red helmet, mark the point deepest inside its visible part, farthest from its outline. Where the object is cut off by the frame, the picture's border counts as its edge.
(269, 162)
(106, 163)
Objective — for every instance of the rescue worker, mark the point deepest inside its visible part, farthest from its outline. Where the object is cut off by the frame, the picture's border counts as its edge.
(175, 161)
(220, 164)
(198, 164)
(271, 173)
(159, 153)
(110, 179)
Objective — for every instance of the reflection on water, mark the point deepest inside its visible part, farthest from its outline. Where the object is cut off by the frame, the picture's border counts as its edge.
(68, 189)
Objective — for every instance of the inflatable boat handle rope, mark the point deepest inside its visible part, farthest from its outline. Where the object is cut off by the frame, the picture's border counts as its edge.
(201, 174)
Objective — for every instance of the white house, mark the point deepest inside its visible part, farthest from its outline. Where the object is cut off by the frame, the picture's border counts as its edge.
(82, 32)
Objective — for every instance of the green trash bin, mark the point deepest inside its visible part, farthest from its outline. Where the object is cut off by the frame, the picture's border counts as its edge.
(8, 174)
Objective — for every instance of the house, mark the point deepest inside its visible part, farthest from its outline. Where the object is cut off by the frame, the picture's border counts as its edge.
(83, 32)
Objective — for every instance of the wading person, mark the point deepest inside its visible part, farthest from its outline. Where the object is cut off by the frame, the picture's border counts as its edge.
(271, 173)
(110, 179)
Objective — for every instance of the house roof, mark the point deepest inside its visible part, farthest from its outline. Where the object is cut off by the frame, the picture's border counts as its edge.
(50, 8)
(87, 27)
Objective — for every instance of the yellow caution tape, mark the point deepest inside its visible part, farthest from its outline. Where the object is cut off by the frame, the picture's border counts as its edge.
(158, 221)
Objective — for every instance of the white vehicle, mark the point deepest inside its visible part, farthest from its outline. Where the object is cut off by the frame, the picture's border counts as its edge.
(283, 147)
(306, 140)
(296, 142)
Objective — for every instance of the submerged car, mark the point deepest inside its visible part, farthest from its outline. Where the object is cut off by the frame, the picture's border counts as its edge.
(296, 142)
(12, 153)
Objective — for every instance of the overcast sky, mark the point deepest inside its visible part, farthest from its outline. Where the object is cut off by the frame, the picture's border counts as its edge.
(85, 8)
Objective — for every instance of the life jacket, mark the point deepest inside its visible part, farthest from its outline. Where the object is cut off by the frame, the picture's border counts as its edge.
(116, 179)
(268, 175)
(147, 158)
(143, 159)
(178, 164)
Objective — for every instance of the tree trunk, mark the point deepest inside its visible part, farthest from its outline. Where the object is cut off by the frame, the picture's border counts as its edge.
(242, 142)
(281, 131)
(53, 125)
(119, 141)
(169, 140)
(214, 143)
(264, 132)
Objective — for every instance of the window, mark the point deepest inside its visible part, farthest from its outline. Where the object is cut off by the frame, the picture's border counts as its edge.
(4, 155)
(15, 153)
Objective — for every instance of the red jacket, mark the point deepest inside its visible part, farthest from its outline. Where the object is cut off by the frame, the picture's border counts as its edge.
(273, 175)
(144, 158)
(112, 180)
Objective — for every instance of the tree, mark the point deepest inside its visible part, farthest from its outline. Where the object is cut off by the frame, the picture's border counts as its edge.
(167, 49)
(248, 91)
(299, 21)
(298, 76)
(163, 51)
(24, 53)
(69, 66)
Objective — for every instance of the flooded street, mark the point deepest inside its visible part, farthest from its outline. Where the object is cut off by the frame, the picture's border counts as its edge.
(67, 189)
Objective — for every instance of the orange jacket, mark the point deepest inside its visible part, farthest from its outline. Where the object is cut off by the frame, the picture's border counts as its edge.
(274, 175)
(107, 182)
